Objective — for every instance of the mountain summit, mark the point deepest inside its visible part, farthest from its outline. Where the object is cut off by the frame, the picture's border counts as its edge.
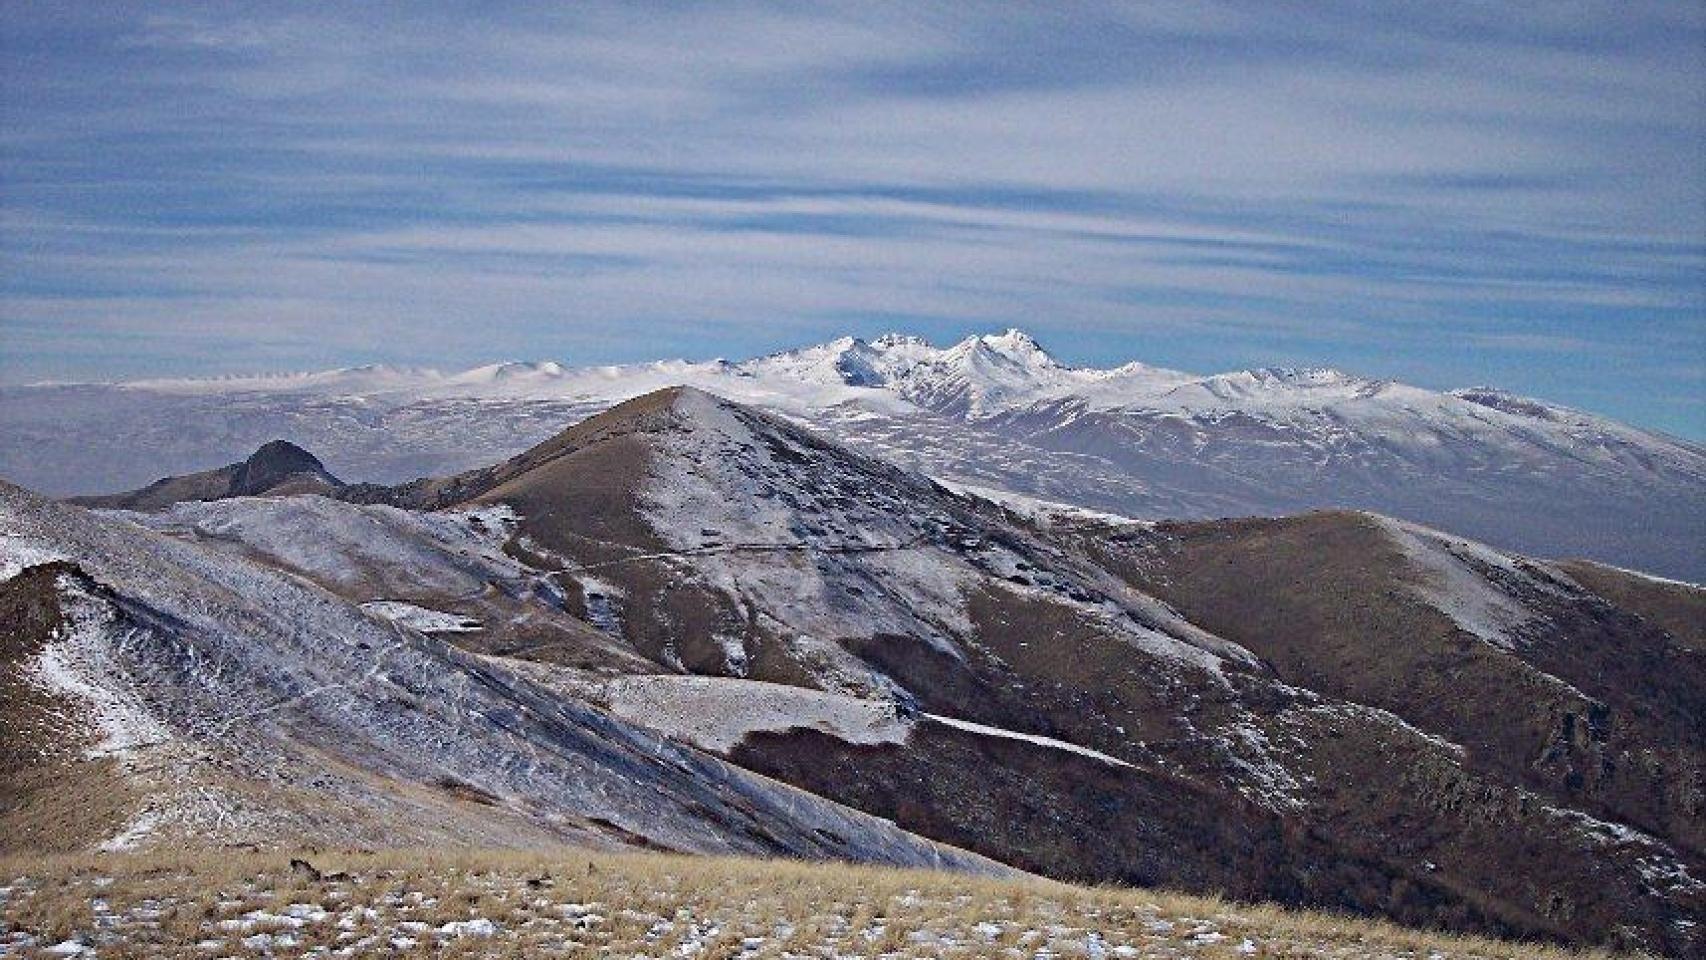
(278, 468)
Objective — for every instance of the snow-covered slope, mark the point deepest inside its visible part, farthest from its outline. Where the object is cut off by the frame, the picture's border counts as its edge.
(246, 706)
(995, 411)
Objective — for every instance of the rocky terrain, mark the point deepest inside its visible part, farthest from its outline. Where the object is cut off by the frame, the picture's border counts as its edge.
(638, 630)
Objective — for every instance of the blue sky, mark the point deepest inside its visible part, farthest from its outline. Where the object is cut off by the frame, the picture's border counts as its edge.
(1451, 193)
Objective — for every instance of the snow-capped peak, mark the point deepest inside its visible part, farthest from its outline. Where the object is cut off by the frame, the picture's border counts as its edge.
(1016, 345)
(980, 375)
(892, 341)
(512, 370)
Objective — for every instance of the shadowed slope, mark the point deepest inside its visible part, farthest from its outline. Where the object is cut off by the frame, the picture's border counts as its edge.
(1560, 689)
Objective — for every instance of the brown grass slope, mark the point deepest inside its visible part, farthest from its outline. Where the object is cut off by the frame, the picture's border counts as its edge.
(1594, 706)
(574, 903)
(1677, 608)
(53, 797)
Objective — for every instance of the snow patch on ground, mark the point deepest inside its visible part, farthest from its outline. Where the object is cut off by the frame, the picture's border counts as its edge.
(496, 521)
(138, 830)
(1036, 508)
(603, 602)
(16, 555)
(77, 664)
(1458, 579)
(421, 618)
(717, 713)
(1263, 777)
(452, 553)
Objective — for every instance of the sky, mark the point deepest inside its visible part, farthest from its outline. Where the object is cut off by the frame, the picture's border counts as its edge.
(1451, 194)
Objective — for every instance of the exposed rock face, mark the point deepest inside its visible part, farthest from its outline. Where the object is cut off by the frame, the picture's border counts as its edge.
(274, 466)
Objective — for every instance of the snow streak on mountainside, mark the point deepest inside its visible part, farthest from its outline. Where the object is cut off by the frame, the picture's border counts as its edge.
(994, 411)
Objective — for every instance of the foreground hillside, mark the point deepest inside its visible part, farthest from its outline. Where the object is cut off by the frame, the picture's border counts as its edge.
(575, 903)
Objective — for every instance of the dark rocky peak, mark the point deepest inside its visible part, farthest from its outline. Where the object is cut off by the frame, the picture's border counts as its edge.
(275, 463)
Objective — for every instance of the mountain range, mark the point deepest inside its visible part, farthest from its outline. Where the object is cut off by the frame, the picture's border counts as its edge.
(994, 413)
(686, 622)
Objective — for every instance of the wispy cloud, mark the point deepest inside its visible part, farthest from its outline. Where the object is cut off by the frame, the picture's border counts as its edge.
(1451, 193)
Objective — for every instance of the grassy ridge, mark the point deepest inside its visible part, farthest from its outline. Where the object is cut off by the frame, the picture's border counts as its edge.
(578, 903)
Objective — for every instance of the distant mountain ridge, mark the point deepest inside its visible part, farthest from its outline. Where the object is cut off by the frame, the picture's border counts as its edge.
(993, 411)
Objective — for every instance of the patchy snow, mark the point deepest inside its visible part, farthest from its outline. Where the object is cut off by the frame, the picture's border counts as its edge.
(1660, 868)
(1036, 508)
(78, 664)
(398, 553)
(829, 544)
(603, 602)
(1049, 742)
(1363, 714)
(421, 618)
(477, 927)
(823, 544)
(494, 523)
(717, 713)
(1262, 773)
(1468, 582)
(134, 833)
(17, 555)
(658, 912)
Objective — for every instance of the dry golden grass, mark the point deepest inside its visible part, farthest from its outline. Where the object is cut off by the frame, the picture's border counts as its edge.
(576, 903)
